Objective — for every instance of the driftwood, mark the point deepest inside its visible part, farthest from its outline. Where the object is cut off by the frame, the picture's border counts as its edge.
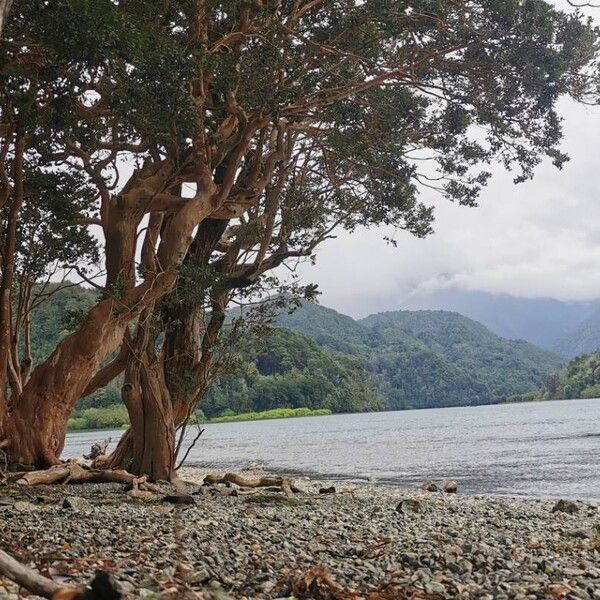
(97, 450)
(287, 485)
(73, 472)
(102, 587)
(28, 578)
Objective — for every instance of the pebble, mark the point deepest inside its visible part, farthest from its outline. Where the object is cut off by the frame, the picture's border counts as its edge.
(244, 547)
(76, 503)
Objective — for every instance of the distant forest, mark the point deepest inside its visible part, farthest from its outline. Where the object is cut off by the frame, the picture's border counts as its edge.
(579, 379)
(317, 358)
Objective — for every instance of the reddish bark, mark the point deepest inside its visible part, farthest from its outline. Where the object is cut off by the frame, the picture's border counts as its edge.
(35, 427)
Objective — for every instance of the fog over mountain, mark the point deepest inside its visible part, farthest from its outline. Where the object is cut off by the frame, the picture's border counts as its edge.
(569, 328)
(539, 239)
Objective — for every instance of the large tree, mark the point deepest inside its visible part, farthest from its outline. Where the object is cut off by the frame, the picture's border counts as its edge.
(186, 113)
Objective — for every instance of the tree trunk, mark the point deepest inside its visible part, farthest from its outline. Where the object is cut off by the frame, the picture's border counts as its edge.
(8, 269)
(161, 390)
(148, 446)
(35, 427)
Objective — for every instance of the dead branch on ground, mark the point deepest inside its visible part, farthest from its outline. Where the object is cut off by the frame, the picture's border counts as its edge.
(73, 472)
(318, 584)
(97, 450)
(288, 486)
(102, 587)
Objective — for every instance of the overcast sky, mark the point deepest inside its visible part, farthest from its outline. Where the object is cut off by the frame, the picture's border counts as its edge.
(537, 239)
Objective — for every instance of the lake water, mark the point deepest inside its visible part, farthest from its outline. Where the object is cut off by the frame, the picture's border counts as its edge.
(544, 449)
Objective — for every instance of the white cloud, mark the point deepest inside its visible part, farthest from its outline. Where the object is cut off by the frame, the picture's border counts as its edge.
(541, 238)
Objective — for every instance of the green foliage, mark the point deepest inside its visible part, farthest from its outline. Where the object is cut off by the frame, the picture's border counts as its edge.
(391, 360)
(57, 316)
(228, 416)
(579, 379)
(283, 369)
(425, 359)
(110, 417)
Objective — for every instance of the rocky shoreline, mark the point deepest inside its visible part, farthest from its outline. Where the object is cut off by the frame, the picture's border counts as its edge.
(368, 539)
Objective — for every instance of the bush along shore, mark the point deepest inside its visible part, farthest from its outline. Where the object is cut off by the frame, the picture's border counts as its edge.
(356, 542)
(116, 417)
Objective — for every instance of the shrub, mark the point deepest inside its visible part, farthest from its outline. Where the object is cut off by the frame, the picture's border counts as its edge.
(111, 417)
(275, 413)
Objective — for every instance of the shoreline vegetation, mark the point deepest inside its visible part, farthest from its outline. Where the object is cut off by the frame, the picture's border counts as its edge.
(116, 417)
(579, 379)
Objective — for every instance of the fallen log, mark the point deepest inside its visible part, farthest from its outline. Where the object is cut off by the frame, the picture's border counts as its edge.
(28, 578)
(102, 587)
(286, 485)
(73, 472)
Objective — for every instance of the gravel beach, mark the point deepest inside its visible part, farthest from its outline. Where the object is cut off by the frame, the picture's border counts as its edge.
(426, 544)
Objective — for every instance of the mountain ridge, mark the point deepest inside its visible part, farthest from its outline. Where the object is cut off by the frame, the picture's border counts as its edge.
(429, 358)
(394, 360)
(546, 322)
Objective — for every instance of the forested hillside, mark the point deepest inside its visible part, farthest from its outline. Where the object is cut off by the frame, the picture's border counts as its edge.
(579, 379)
(318, 358)
(287, 369)
(56, 311)
(425, 359)
(281, 369)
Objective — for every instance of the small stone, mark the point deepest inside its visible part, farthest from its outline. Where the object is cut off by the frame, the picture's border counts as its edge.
(566, 506)
(450, 486)
(127, 587)
(76, 503)
(582, 534)
(44, 500)
(327, 490)
(180, 499)
(434, 587)
(200, 577)
(429, 486)
(409, 505)
(23, 506)
(465, 565)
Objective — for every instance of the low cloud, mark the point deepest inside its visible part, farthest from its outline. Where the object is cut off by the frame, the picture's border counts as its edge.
(538, 239)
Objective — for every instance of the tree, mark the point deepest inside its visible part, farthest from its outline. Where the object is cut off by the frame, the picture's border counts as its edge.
(217, 103)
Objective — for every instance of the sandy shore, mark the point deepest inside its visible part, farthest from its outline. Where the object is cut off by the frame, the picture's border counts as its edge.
(368, 537)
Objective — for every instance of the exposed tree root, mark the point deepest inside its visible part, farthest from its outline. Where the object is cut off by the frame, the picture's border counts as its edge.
(73, 472)
(102, 586)
(318, 584)
(287, 486)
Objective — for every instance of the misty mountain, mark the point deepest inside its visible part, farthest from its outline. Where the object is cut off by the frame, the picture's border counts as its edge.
(581, 339)
(546, 322)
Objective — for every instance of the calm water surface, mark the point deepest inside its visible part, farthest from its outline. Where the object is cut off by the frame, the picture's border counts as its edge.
(544, 449)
